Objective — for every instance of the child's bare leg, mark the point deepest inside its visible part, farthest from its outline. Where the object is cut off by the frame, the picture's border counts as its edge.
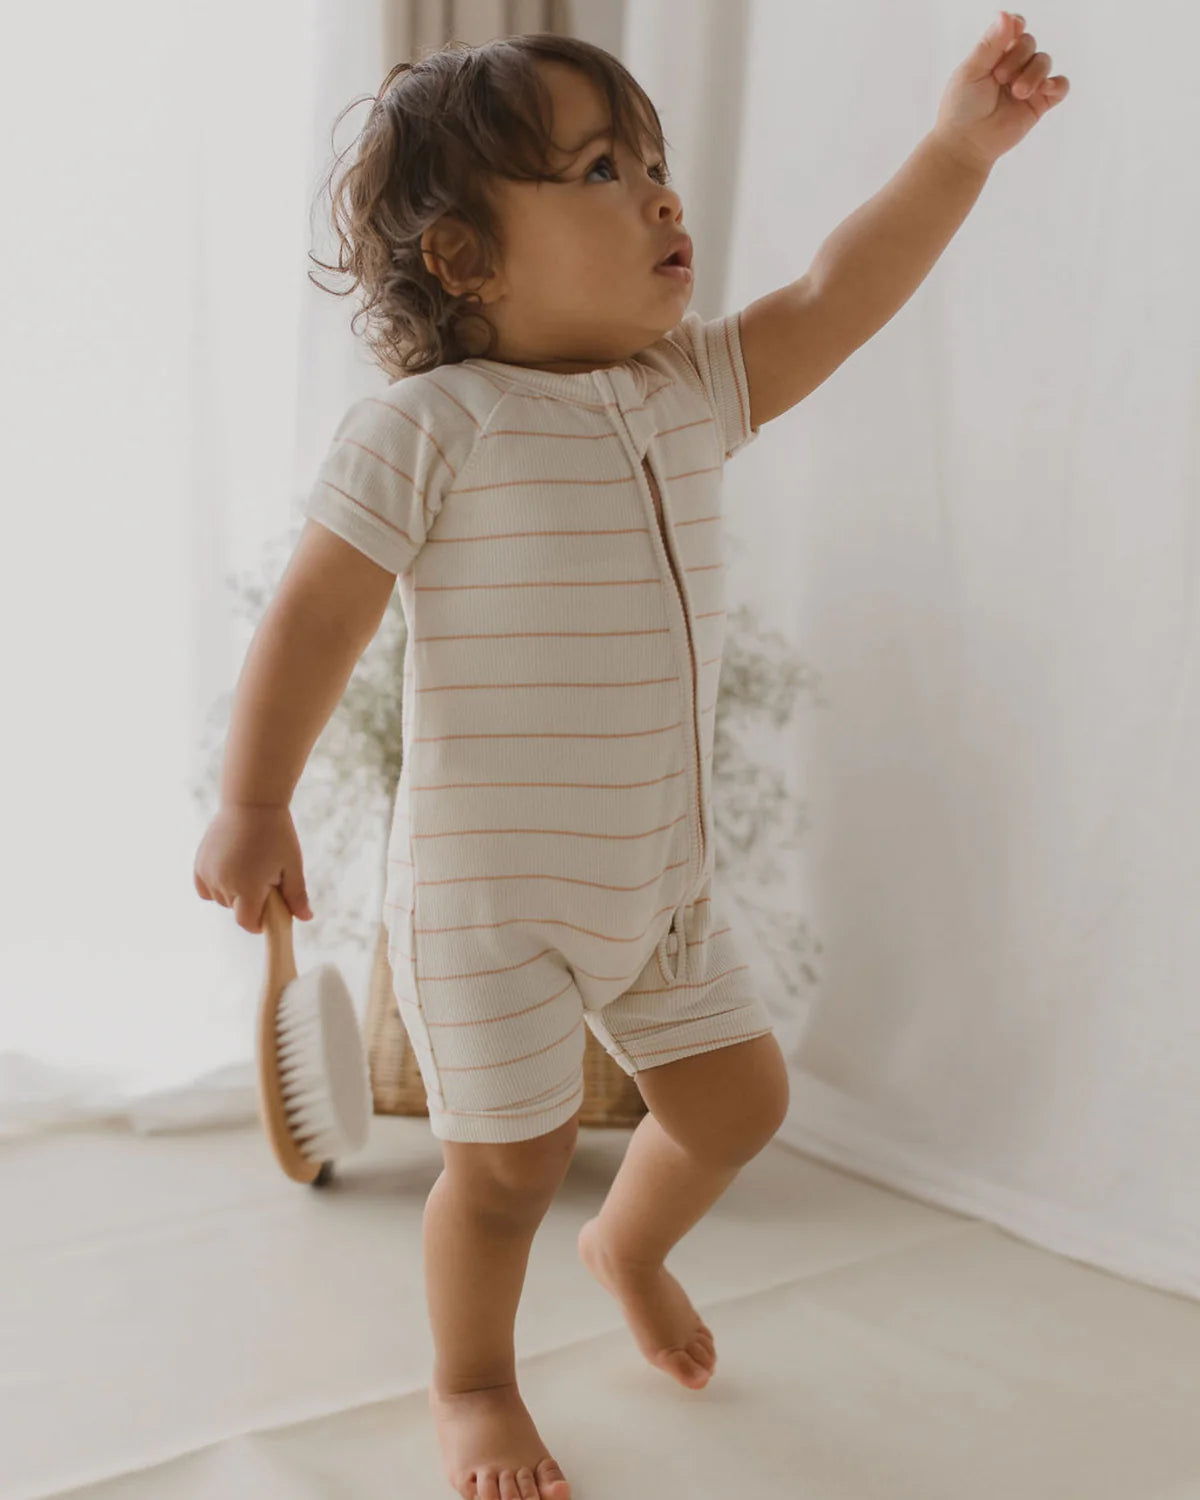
(722, 1108)
(480, 1219)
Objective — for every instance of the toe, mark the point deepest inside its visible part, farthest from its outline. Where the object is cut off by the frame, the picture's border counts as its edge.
(527, 1485)
(551, 1482)
(489, 1485)
(509, 1489)
(701, 1353)
(681, 1364)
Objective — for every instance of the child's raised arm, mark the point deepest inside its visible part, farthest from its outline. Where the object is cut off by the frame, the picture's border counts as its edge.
(868, 268)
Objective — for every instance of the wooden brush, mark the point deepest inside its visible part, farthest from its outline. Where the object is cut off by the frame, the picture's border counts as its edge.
(314, 1085)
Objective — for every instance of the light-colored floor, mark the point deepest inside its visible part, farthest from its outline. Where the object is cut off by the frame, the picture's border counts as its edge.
(179, 1321)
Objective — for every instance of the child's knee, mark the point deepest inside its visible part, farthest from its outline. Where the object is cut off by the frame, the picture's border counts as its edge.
(518, 1177)
(722, 1106)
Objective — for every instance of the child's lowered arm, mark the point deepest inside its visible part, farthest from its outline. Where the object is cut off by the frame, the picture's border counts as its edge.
(328, 606)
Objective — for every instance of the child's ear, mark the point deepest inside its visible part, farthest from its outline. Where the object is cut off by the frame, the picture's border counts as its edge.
(450, 252)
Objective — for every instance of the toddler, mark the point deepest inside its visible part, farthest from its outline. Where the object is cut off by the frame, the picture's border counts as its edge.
(541, 480)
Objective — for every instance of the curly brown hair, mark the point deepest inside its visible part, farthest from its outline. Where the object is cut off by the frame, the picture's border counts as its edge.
(441, 129)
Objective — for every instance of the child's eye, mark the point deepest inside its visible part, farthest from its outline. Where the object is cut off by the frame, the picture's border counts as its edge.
(660, 168)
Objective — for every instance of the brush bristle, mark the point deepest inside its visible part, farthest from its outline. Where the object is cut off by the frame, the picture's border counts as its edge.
(323, 1071)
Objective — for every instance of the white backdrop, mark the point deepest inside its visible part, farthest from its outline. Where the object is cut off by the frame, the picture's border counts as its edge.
(170, 380)
(150, 275)
(981, 531)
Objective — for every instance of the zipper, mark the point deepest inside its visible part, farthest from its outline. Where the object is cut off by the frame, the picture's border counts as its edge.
(656, 496)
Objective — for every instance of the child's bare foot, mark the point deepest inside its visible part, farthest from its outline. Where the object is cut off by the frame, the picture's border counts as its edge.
(668, 1329)
(490, 1447)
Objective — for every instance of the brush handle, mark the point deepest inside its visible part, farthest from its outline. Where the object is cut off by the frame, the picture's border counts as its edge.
(277, 926)
(281, 970)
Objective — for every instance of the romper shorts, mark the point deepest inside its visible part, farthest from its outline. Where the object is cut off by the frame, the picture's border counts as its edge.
(500, 1043)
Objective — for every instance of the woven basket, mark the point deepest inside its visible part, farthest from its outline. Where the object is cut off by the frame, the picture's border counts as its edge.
(610, 1096)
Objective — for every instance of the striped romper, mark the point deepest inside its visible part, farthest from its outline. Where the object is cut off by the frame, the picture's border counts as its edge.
(557, 541)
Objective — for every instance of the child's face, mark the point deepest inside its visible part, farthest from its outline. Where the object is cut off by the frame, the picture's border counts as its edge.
(578, 288)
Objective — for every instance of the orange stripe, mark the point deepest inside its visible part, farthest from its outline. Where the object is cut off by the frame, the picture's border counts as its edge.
(541, 921)
(383, 520)
(555, 635)
(725, 1041)
(595, 885)
(591, 437)
(539, 432)
(508, 1015)
(632, 734)
(583, 479)
(400, 412)
(566, 833)
(502, 1114)
(486, 973)
(602, 786)
(742, 416)
(567, 583)
(487, 687)
(454, 401)
(506, 536)
(510, 1061)
(677, 989)
(599, 978)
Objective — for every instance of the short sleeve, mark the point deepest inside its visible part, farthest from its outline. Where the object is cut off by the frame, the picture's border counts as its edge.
(714, 349)
(382, 481)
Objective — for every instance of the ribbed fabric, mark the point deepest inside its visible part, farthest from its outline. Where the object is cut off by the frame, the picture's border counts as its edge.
(550, 859)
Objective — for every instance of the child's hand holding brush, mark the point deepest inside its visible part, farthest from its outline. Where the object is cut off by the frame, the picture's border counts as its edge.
(245, 851)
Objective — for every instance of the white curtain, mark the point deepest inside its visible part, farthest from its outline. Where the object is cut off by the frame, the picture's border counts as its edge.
(155, 177)
(171, 379)
(980, 532)
(984, 533)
